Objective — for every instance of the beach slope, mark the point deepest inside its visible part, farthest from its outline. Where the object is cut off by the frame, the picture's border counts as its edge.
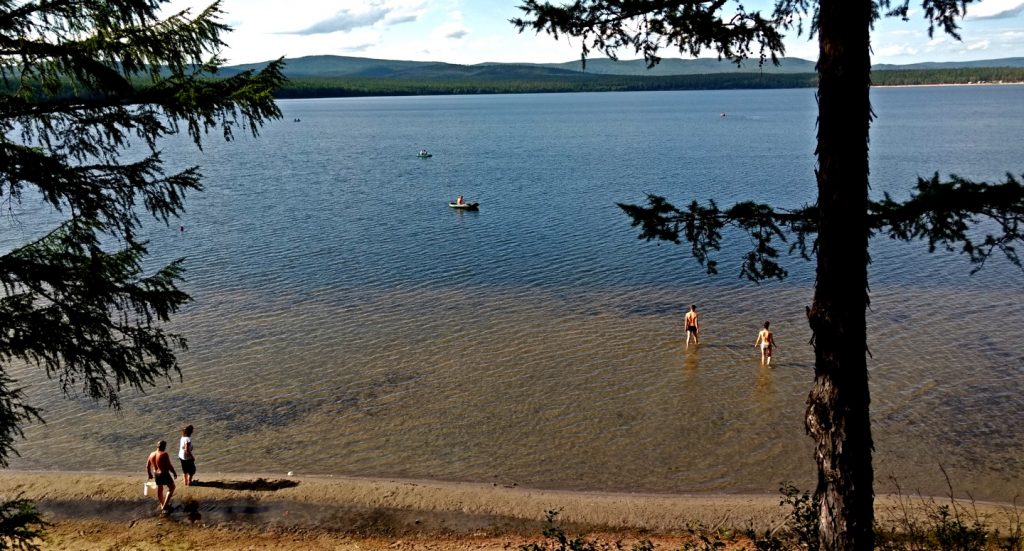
(90, 510)
(232, 511)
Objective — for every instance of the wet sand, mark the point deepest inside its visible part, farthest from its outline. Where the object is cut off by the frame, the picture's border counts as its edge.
(233, 511)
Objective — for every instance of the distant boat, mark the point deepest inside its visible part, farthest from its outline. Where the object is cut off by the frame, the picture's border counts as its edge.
(465, 206)
(423, 154)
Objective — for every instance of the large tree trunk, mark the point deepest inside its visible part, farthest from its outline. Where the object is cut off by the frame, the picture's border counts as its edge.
(837, 408)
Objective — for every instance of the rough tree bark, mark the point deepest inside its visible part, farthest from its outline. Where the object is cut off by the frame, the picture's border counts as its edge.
(837, 407)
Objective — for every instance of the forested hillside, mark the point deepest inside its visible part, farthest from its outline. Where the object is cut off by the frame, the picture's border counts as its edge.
(307, 87)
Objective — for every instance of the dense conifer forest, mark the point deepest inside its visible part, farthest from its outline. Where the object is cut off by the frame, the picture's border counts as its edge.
(351, 86)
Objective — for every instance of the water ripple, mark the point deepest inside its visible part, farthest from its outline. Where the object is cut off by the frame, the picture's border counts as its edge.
(347, 321)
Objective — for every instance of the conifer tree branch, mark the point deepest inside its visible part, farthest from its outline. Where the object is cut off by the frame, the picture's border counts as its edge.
(978, 219)
(645, 26)
(82, 81)
(64, 287)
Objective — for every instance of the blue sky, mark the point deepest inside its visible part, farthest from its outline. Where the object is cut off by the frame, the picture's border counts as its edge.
(476, 31)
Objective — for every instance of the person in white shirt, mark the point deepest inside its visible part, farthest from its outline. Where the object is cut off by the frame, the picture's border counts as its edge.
(188, 459)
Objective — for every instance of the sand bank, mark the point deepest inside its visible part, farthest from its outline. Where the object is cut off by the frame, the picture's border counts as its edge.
(233, 511)
(458, 506)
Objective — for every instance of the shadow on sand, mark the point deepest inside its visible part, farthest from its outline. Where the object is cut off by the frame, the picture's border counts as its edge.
(258, 485)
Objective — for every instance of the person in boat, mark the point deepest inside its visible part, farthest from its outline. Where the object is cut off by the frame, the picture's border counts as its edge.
(423, 153)
(459, 201)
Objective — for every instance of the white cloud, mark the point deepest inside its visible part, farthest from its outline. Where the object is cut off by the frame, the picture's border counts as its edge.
(383, 12)
(996, 9)
(344, 21)
(903, 34)
(452, 29)
(803, 49)
(979, 45)
(396, 19)
(1008, 43)
(359, 47)
(895, 50)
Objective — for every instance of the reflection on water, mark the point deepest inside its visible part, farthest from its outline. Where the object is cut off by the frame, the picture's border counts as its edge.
(691, 361)
(765, 388)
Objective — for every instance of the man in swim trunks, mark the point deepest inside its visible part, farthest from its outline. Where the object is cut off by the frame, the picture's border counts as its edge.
(159, 466)
(690, 321)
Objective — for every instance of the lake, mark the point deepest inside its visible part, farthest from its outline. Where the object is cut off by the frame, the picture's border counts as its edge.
(348, 322)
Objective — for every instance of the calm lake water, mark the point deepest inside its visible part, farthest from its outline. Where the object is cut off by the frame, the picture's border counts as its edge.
(346, 321)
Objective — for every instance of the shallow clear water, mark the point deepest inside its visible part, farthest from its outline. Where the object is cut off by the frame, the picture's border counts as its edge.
(346, 321)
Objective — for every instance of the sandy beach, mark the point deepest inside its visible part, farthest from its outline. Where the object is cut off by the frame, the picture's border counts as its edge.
(232, 511)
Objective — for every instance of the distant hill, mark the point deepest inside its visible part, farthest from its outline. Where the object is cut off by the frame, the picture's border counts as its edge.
(329, 66)
(1015, 62)
(342, 76)
(676, 66)
(326, 66)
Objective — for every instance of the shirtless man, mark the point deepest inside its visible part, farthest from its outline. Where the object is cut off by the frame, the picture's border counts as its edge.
(765, 340)
(159, 465)
(690, 321)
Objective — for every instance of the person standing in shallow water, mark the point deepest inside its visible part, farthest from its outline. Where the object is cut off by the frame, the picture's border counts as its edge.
(158, 466)
(765, 340)
(188, 460)
(690, 321)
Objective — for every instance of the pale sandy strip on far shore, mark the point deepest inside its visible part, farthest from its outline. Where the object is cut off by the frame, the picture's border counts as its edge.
(446, 506)
(947, 84)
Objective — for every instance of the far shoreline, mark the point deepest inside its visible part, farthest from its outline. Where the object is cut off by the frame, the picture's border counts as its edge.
(948, 84)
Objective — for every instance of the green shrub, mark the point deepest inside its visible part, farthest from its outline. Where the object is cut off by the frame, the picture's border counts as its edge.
(924, 525)
(558, 540)
(803, 518)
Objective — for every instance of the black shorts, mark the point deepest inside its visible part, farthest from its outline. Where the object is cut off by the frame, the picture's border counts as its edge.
(164, 479)
(692, 329)
(188, 466)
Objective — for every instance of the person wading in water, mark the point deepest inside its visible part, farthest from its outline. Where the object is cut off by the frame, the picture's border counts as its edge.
(690, 321)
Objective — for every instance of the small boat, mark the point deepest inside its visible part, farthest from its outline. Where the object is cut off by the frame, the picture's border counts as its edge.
(465, 206)
(424, 154)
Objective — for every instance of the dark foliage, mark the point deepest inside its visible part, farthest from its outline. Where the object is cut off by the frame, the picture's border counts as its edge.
(20, 525)
(976, 218)
(82, 83)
